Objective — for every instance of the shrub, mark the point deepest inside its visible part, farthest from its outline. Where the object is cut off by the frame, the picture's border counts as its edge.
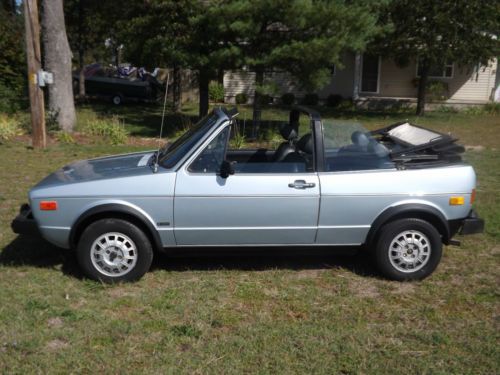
(110, 129)
(310, 99)
(216, 92)
(437, 90)
(241, 98)
(64, 137)
(9, 127)
(492, 108)
(288, 98)
(334, 100)
(266, 99)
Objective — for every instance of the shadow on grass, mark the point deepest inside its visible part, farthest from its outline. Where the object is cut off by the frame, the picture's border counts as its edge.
(36, 252)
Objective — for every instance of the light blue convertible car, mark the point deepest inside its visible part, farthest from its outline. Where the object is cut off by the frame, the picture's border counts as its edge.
(400, 192)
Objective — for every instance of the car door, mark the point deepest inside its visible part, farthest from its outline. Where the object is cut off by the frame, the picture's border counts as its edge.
(245, 208)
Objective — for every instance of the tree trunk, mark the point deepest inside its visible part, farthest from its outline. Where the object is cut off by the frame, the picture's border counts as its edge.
(203, 82)
(58, 62)
(257, 101)
(177, 89)
(422, 86)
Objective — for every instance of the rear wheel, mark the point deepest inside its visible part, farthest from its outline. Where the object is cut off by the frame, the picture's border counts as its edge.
(114, 250)
(408, 249)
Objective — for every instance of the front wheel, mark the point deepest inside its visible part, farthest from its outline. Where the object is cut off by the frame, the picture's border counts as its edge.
(114, 250)
(408, 249)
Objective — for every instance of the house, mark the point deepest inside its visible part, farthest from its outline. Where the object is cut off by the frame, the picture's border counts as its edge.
(374, 80)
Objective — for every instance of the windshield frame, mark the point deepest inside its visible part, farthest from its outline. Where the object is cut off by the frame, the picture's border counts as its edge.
(175, 154)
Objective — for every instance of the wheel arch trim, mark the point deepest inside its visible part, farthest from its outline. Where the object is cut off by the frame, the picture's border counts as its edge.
(110, 209)
(411, 210)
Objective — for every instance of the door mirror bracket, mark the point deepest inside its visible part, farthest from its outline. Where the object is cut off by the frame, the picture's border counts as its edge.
(226, 169)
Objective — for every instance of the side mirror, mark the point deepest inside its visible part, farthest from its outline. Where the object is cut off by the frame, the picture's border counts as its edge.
(226, 169)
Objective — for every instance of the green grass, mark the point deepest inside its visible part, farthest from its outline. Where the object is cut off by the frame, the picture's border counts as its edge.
(264, 311)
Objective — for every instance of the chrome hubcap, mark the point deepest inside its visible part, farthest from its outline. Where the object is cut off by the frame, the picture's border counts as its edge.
(113, 254)
(409, 251)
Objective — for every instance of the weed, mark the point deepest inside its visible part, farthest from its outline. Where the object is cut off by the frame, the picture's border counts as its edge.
(9, 127)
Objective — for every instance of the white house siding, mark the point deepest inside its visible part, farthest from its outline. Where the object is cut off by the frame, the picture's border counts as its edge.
(240, 81)
(468, 85)
(236, 82)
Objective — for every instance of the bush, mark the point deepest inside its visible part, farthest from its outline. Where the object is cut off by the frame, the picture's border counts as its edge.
(287, 99)
(311, 99)
(110, 129)
(241, 98)
(216, 92)
(492, 108)
(266, 99)
(9, 127)
(334, 100)
(64, 137)
(437, 90)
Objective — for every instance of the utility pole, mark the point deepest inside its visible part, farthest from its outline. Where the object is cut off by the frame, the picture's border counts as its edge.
(34, 58)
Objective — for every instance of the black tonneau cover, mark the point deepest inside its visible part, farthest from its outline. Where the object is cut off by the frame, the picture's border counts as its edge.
(410, 143)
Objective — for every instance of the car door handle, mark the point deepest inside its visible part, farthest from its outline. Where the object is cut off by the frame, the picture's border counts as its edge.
(301, 184)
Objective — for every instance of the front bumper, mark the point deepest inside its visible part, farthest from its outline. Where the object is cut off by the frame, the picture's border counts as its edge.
(25, 223)
(472, 224)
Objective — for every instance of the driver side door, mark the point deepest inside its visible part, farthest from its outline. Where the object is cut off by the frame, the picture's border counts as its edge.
(244, 208)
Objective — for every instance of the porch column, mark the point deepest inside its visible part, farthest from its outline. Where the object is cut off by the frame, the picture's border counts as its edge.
(357, 76)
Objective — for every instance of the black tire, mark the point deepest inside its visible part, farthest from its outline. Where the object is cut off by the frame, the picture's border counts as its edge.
(394, 260)
(117, 99)
(94, 263)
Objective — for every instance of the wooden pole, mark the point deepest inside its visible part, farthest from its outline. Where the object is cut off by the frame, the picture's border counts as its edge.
(34, 59)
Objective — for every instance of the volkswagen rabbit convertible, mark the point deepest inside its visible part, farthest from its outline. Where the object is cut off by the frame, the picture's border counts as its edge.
(401, 192)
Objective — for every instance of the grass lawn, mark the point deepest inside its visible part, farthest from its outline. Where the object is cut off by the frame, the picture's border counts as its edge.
(264, 311)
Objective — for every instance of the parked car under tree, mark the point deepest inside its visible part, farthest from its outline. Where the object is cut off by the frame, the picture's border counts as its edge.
(400, 192)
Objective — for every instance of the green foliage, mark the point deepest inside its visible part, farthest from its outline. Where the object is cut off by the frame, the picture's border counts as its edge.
(111, 130)
(241, 98)
(437, 90)
(288, 98)
(9, 127)
(334, 100)
(12, 61)
(435, 32)
(310, 99)
(238, 140)
(492, 108)
(216, 92)
(64, 137)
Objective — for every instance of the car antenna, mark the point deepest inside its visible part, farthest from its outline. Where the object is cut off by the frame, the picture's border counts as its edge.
(155, 167)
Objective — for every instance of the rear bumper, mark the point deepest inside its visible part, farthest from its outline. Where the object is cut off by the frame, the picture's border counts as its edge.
(25, 223)
(472, 224)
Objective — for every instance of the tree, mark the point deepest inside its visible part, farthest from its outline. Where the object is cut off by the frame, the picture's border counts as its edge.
(58, 61)
(12, 57)
(301, 37)
(465, 32)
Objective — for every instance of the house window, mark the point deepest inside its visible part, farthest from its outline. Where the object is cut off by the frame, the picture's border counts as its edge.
(438, 72)
(370, 72)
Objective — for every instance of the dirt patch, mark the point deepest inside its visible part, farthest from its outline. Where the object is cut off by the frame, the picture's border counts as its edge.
(474, 148)
(403, 288)
(364, 289)
(56, 322)
(308, 274)
(55, 345)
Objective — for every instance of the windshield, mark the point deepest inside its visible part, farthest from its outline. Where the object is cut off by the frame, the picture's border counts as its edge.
(169, 156)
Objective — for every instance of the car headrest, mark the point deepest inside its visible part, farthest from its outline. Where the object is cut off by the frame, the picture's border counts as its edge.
(378, 149)
(360, 138)
(305, 144)
(288, 132)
